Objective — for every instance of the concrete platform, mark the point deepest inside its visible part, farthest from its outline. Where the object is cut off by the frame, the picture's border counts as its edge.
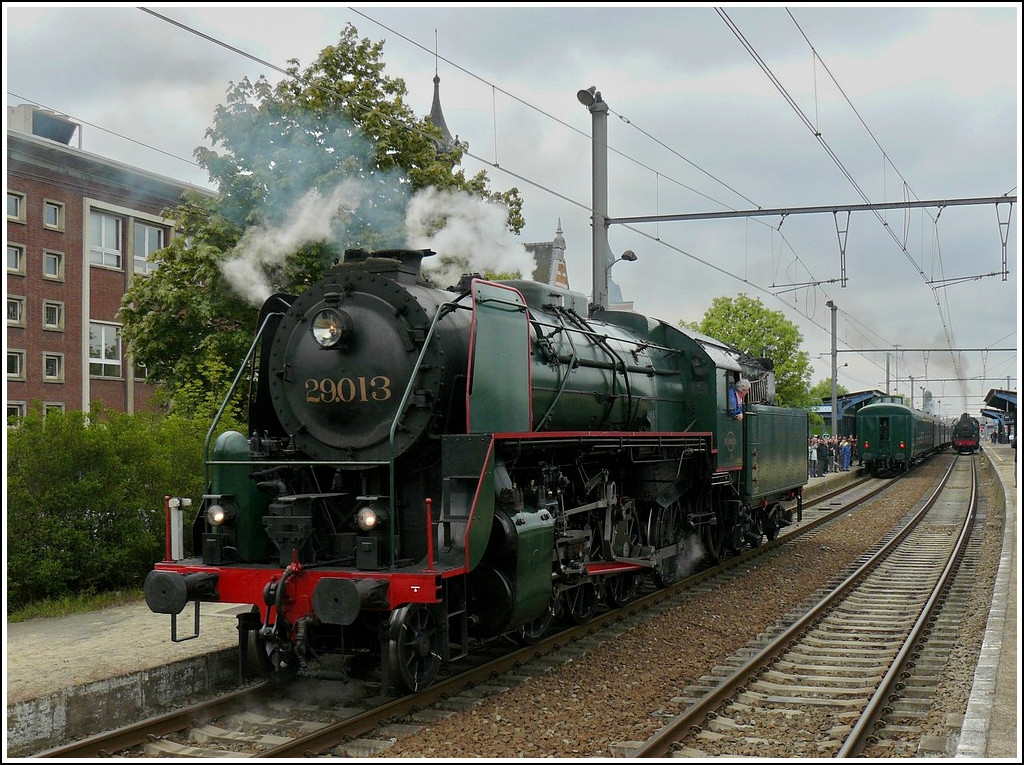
(70, 677)
(991, 726)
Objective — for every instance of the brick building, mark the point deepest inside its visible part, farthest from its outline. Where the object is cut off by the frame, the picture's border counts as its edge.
(79, 228)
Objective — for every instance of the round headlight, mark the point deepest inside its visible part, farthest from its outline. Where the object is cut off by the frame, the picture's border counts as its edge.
(368, 519)
(329, 326)
(216, 514)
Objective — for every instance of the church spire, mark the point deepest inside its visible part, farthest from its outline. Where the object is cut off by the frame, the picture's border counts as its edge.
(447, 142)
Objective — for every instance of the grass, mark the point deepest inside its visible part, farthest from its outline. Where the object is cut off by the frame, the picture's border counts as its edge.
(75, 604)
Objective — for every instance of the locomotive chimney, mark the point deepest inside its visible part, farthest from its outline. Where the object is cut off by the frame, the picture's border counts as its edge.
(395, 262)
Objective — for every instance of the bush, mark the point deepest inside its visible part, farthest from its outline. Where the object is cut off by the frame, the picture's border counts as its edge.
(85, 498)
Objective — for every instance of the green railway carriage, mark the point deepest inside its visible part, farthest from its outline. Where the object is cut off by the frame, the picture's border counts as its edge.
(425, 468)
(893, 437)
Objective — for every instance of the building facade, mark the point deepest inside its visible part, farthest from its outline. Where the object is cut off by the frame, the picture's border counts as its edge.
(79, 229)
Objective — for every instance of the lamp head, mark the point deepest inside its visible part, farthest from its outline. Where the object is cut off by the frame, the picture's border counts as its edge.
(588, 97)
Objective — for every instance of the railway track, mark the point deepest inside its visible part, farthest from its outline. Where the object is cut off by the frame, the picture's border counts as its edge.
(354, 719)
(828, 684)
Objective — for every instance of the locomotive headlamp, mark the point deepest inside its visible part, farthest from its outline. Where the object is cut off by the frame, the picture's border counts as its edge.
(370, 518)
(329, 326)
(218, 514)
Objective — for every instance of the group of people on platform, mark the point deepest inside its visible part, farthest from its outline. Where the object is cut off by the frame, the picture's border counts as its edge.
(829, 455)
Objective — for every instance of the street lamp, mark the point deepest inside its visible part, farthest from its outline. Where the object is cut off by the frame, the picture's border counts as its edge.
(629, 256)
(591, 98)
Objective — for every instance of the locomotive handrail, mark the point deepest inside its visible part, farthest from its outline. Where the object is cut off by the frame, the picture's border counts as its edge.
(586, 331)
(303, 463)
(520, 307)
(442, 309)
(230, 393)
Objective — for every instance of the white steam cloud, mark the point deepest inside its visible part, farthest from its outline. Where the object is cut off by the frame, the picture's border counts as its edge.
(467, 232)
(311, 219)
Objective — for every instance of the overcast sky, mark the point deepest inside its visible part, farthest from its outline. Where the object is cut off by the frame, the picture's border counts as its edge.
(712, 109)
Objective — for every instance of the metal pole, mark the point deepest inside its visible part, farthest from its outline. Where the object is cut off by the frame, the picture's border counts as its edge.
(835, 417)
(591, 98)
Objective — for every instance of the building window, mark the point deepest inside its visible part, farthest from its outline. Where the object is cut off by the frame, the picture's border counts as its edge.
(53, 367)
(140, 371)
(53, 215)
(53, 315)
(104, 240)
(15, 409)
(15, 311)
(15, 206)
(53, 406)
(15, 259)
(148, 239)
(15, 365)
(53, 265)
(104, 350)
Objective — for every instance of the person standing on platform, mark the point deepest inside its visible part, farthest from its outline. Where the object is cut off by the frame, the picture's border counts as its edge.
(847, 451)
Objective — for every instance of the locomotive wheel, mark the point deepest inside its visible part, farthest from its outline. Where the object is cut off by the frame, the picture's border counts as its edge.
(581, 602)
(414, 646)
(667, 531)
(770, 526)
(268, 659)
(713, 538)
(621, 588)
(533, 632)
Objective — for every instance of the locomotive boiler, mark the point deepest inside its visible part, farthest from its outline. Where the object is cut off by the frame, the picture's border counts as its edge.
(425, 468)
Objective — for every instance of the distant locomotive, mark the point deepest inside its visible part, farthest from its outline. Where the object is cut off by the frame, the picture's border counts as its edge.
(966, 434)
(426, 467)
(893, 437)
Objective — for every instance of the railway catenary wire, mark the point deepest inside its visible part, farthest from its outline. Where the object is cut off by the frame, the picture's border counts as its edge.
(825, 665)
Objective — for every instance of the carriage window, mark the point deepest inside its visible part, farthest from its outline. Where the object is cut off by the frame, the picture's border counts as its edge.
(883, 428)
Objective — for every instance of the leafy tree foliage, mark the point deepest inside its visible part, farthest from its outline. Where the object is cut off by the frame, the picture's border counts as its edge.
(85, 498)
(746, 324)
(184, 321)
(822, 390)
(323, 161)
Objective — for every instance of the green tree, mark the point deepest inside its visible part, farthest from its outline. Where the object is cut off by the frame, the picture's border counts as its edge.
(822, 390)
(323, 161)
(746, 324)
(86, 498)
